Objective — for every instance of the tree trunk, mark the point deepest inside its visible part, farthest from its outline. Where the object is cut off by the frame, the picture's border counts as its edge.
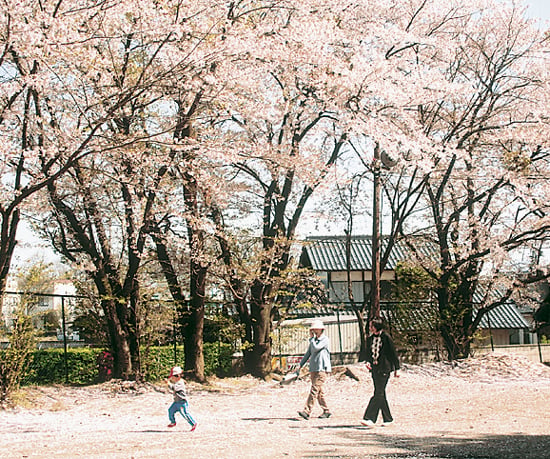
(363, 337)
(194, 323)
(120, 347)
(457, 347)
(257, 360)
(193, 329)
(134, 336)
(455, 315)
(8, 241)
(190, 312)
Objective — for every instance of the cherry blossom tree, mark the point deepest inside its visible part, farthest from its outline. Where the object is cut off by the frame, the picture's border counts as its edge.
(455, 94)
(481, 143)
(196, 174)
(281, 119)
(38, 143)
(120, 66)
(191, 310)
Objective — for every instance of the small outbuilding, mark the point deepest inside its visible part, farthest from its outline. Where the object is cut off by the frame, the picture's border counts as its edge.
(327, 256)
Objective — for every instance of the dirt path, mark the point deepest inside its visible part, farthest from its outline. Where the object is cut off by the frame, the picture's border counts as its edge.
(487, 408)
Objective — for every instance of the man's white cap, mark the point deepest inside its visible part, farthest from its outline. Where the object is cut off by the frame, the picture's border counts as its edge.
(317, 325)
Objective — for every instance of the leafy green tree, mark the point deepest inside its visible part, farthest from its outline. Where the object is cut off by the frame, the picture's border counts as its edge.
(91, 323)
(52, 320)
(222, 327)
(414, 308)
(17, 357)
(35, 282)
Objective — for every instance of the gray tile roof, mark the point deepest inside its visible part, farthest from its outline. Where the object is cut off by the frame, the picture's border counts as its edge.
(505, 316)
(418, 319)
(421, 318)
(329, 253)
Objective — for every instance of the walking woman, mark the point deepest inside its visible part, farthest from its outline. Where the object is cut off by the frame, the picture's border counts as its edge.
(382, 359)
(318, 354)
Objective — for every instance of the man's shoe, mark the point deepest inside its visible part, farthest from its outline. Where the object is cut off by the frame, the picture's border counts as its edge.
(194, 427)
(325, 415)
(172, 424)
(367, 423)
(303, 414)
(387, 423)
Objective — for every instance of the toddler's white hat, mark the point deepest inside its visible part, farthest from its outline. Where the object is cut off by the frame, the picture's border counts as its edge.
(175, 371)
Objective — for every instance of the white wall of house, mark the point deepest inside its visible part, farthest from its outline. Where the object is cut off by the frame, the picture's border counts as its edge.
(530, 351)
(337, 284)
(506, 337)
(64, 287)
(291, 337)
(10, 302)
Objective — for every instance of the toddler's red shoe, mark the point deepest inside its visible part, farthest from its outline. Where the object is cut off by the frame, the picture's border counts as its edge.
(172, 424)
(194, 427)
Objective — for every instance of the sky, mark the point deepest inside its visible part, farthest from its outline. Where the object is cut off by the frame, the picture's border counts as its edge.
(539, 9)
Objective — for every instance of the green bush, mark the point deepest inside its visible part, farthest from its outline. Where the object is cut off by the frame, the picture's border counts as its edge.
(16, 358)
(156, 361)
(48, 365)
(218, 359)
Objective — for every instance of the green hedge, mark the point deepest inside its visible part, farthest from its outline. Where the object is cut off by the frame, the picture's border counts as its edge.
(218, 359)
(156, 361)
(48, 365)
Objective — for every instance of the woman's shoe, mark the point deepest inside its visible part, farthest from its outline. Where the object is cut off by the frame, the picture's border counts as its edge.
(367, 423)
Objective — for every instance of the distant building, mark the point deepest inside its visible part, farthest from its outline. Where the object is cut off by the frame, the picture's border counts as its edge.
(59, 299)
(327, 257)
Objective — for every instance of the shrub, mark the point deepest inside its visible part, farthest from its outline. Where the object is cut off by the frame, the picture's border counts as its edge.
(218, 359)
(48, 365)
(157, 360)
(16, 358)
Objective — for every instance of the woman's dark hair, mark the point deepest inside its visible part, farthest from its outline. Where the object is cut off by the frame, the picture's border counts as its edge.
(378, 324)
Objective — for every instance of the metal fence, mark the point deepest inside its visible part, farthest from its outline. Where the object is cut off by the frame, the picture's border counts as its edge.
(289, 341)
(341, 326)
(67, 306)
(37, 305)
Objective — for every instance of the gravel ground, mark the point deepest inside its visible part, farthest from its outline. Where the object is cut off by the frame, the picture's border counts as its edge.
(492, 407)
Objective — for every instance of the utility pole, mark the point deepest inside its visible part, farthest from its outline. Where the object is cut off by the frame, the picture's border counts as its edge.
(375, 284)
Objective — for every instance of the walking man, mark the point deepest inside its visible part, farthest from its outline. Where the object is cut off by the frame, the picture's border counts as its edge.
(382, 359)
(318, 354)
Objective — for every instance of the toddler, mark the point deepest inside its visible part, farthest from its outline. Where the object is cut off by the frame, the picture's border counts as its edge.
(177, 385)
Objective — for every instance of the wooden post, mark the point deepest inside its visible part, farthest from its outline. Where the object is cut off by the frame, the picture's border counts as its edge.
(64, 326)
